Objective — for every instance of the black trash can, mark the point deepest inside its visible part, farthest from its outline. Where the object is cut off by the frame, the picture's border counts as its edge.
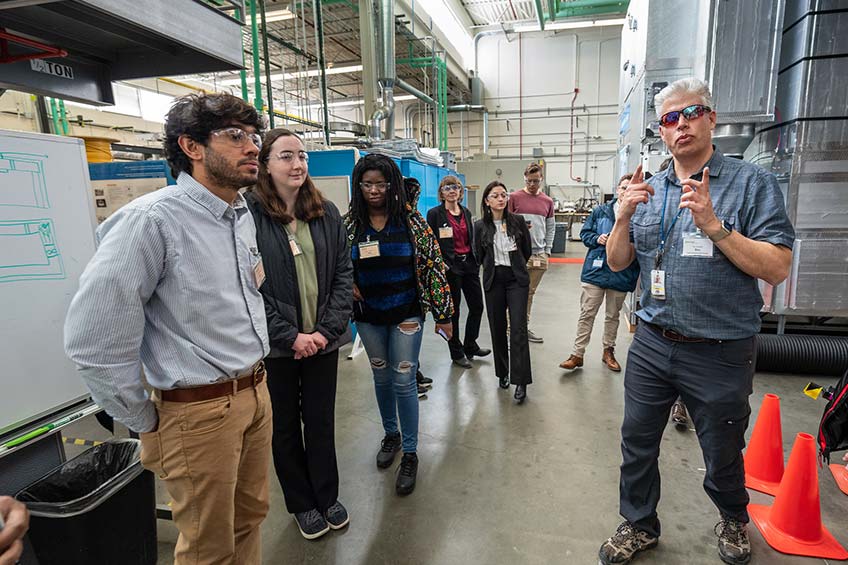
(560, 236)
(99, 507)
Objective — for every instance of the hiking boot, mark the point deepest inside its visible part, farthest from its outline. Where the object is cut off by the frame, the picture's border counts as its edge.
(626, 542)
(407, 472)
(337, 516)
(572, 362)
(679, 415)
(609, 360)
(389, 447)
(311, 523)
(733, 544)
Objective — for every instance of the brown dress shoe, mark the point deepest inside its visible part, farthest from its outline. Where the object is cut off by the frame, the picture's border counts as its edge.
(609, 360)
(572, 362)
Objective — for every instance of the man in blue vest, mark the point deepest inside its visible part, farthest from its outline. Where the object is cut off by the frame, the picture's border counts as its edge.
(601, 284)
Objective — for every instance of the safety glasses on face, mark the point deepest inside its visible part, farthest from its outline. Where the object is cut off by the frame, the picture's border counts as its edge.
(533, 182)
(451, 188)
(237, 137)
(692, 112)
(498, 196)
(372, 186)
(290, 156)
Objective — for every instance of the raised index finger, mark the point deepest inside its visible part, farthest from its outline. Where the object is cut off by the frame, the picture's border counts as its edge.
(637, 177)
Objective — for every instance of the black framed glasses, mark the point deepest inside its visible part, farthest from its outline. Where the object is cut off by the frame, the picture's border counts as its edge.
(372, 186)
(692, 112)
(237, 137)
(451, 188)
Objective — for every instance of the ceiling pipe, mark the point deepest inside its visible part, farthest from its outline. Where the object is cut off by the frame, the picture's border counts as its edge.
(386, 74)
(476, 108)
(415, 92)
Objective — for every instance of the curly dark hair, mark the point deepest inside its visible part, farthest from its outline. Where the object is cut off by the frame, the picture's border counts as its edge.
(396, 197)
(310, 202)
(197, 115)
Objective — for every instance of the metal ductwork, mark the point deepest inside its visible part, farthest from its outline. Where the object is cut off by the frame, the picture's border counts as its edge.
(386, 75)
(476, 108)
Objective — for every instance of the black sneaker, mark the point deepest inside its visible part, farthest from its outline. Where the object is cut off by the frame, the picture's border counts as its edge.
(389, 447)
(503, 382)
(624, 544)
(337, 516)
(733, 544)
(422, 380)
(311, 523)
(407, 472)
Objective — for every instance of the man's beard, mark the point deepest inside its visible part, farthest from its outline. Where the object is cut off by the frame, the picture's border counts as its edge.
(226, 175)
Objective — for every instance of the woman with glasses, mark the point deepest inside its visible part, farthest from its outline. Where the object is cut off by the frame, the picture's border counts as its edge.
(308, 301)
(451, 222)
(503, 247)
(398, 277)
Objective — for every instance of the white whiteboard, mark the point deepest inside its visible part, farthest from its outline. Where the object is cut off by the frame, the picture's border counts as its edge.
(46, 239)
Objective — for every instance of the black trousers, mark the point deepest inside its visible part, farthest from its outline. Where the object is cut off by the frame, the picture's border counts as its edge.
(507, 296)
(464, 278)
(304, 391)
(714, 380)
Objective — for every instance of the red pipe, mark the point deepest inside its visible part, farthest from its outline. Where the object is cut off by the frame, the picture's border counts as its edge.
(48, 51)
(571, 142)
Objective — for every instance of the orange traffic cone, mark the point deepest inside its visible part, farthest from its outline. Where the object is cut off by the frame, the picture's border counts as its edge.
(793, 523)
(840, 474)
(764, 456)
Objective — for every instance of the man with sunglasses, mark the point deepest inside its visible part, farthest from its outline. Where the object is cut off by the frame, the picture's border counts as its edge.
(703, 231)
(173, 289)
(538, 211)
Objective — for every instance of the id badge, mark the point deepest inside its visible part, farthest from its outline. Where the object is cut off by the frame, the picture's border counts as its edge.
(259, 273)
(295, 248)
(511, 246)
(598, 263)
(369, 249)
(696, 244)
(537, 263)
(446, 232)
(658, 284)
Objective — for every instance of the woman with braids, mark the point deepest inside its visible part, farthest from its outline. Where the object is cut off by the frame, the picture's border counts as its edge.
(503, 247)
(308, 301)
(398, 277)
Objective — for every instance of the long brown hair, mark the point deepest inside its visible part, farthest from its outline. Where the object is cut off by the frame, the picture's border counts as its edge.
(310, 202)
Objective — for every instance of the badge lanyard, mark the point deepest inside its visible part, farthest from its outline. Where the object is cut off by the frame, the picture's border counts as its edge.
(664, 234)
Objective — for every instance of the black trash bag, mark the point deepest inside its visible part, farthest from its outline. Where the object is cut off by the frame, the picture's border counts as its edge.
(83, 482)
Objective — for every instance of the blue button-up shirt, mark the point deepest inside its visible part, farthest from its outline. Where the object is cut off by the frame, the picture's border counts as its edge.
(709, 297)
(171, 289)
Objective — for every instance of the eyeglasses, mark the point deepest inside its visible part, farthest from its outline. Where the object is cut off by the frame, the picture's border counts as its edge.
(451, 188)
(692, 112)
(371, 186)
(499, 196)
(237, 137)
(533, 181)
(290, 156)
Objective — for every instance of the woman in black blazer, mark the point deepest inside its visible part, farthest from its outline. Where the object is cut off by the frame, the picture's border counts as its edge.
(451, 222)
(503, 247)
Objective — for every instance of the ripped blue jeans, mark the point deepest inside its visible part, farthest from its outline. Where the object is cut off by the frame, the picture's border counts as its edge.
(393, 351)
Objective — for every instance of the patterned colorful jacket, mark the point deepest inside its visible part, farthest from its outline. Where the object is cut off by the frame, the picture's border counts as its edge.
(433, 290)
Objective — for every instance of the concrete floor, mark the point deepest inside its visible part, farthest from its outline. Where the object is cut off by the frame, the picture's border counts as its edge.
(506, 484)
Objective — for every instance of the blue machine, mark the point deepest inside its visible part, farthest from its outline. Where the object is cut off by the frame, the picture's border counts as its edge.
(131, 170)
(340, 162)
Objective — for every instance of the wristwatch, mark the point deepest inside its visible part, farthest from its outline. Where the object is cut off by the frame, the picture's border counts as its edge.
(726, 230)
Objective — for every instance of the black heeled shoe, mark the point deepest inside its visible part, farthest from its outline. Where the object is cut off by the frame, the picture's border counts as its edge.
(504, 382)
(520, 393)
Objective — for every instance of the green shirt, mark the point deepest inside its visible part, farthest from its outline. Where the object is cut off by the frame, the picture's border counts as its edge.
(307, 274)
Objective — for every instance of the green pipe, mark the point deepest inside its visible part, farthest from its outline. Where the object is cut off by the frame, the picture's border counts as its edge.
(270, 90)
(243, 73)
(66, 129)
(552, 9)
(257, 79)
(575, 8)
(54, 115)
(540, 14)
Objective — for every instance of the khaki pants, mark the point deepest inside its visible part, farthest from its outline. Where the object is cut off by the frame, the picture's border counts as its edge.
(536, 267)
(213, 457)
(590, 302)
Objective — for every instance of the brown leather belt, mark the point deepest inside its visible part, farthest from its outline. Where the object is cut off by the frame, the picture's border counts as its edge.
(216, 390)
(680, 338)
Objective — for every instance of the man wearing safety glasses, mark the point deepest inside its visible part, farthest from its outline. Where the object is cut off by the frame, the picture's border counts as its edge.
(173, 289)
(703, 231)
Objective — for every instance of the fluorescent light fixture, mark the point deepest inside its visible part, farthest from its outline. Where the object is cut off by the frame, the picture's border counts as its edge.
(555, 26)
(278, 16)
(290, 76)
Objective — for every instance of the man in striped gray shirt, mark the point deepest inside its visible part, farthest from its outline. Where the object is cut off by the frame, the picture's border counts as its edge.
(173, 289)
